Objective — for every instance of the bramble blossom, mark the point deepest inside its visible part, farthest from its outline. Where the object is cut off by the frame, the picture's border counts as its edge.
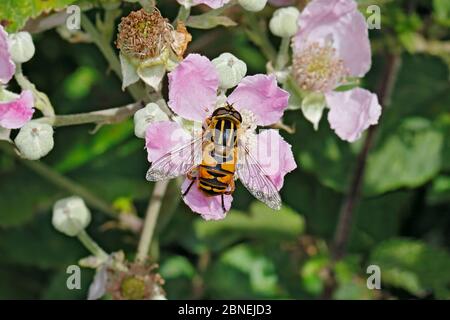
(15, 110)
(332, 44)
(149, 45)
(193, 95)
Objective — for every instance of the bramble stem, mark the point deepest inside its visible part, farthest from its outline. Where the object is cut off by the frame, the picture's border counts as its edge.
(283, 53)
(150, 219)
(106, 116)
(353, 196)
(343, 229)
(92, 246)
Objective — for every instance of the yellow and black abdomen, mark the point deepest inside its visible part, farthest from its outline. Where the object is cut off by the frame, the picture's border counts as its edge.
(216, 173)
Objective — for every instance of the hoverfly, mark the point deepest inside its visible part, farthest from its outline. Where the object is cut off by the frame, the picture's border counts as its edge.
(212, 160)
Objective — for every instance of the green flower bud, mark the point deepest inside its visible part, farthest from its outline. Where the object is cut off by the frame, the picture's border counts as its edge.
(70, 216)
(253, 5)
(145, 116)
(231, 70)
(284, 22)
(21, 46)
(35, 140)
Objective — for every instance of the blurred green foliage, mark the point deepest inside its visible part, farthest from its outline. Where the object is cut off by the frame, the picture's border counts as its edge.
(402, 223)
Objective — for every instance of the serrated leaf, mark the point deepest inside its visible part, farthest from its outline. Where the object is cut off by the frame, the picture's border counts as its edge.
(262, 223)
(247, 266)
(413, 266)
(39, 245)
(408, 158)
(15, 13)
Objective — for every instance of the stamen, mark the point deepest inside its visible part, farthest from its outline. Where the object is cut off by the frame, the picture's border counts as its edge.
(317, 68)
(144, 35)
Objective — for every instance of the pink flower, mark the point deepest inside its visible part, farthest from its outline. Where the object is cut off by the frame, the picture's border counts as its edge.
(17, 111)
(210, 3)
(352, 112)
(193, 94)
(337, 23)
(332, 43)
(7, 66)
(14, 114)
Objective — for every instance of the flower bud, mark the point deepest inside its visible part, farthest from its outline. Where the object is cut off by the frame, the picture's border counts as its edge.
(253, 5)
(231, 70)
(284, 22)
(145, 116)
(35, 140)
(21, 46)
(70, 216)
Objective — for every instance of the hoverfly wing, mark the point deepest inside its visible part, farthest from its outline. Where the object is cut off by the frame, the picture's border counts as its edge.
(176, 162)
(254, 178)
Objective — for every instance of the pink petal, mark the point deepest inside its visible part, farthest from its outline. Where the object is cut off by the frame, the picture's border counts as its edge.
(14, 114)
(162, 137)
(352, 112)
(275, 156)
(7, 66)
(338, 21)
(261, 95)
(210, 208)
(211, 3)
(193, 87)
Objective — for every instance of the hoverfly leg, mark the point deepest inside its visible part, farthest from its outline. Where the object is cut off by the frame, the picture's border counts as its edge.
(188, 188)
(223, 204)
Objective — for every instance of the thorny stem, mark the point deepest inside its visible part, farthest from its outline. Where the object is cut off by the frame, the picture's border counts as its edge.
(150, 219)
(342, 234)
(92, 246)
(106, 116)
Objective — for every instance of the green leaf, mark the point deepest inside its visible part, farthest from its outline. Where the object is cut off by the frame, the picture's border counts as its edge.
(413, 266)
(248, 267)
(440, 191)
(39, 245)
(408, 158)
(441, 10)
(378, 219)
(22, 194)
(178, 273)
(262, 223)
(16, 12)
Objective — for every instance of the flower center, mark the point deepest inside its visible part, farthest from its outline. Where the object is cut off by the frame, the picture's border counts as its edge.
(133, 288)
(317, 68)
(143, 35)
(248, 120)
